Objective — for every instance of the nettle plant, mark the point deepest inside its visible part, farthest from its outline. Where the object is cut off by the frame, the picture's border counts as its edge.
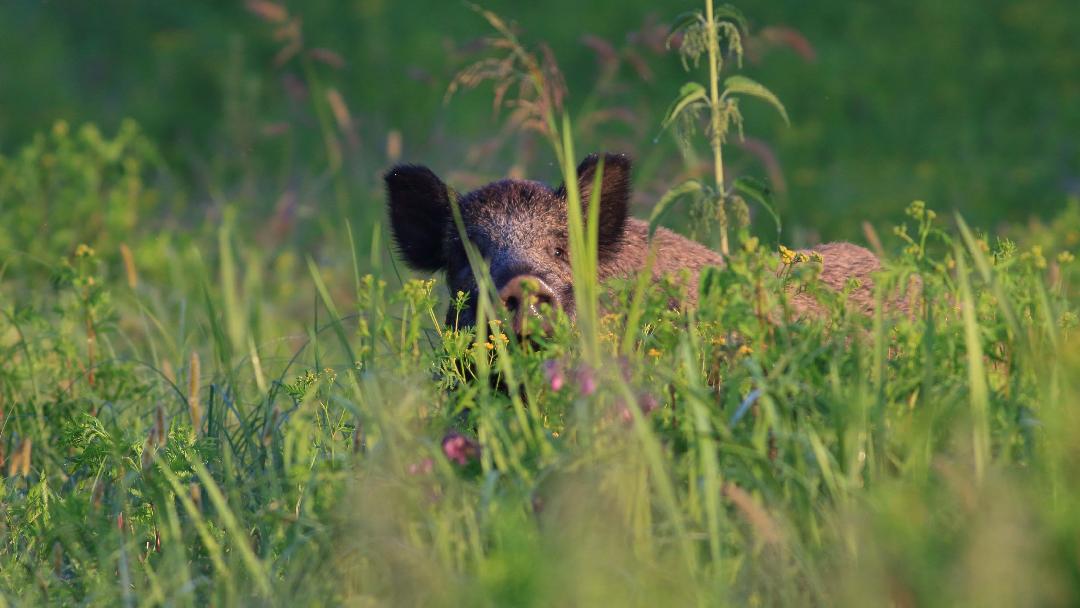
(531, 84)
(717, 36)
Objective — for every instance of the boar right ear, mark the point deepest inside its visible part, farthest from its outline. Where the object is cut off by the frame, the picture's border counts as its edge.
(614, 194)
(419, 211)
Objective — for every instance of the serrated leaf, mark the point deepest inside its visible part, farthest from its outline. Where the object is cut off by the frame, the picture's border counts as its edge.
(682, 22)
(747, 86)
(690, 93)
(730, 13)
(667, 201)
(761, 194)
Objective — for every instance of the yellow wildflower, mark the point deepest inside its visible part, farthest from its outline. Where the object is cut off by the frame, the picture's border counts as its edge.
(787, 255)
(1037, 256)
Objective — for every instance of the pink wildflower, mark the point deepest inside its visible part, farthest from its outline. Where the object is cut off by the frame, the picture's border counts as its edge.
(554, 374)
(459, 448)
(421, 468)
(586, 380)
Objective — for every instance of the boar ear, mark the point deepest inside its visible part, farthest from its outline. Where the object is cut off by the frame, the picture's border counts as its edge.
(419, 211)
(614, 192)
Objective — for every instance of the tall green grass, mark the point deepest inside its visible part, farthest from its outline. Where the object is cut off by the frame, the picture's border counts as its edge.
(202, 421)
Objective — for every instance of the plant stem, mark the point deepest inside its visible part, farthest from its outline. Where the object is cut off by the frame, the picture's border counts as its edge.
(714, 106)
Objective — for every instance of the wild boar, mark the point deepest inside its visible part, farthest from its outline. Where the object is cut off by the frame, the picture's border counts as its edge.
(520, 227)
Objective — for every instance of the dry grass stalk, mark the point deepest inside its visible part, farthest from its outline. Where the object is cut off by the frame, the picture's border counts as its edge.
(194, 407)
(539, 87)
(759, 519)
(129, 266)
(267, 11)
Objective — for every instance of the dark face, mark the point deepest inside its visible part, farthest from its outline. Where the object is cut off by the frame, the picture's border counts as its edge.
(519, 227)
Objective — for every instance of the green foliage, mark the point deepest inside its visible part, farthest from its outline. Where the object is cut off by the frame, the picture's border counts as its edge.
(225, 415)
(80, 187)
(741, 85)
(987, 131)
(728, 453)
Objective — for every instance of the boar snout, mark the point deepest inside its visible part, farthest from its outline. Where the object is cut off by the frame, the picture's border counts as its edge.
(523, 296)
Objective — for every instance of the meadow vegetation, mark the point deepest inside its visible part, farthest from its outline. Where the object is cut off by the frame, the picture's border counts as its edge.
(219, 388)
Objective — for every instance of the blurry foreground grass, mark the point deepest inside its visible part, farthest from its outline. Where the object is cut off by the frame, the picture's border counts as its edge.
(206, 419)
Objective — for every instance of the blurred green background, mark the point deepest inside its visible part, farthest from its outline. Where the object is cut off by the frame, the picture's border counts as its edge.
(972, 106)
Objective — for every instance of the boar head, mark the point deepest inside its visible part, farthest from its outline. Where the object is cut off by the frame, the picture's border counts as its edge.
(518, 226)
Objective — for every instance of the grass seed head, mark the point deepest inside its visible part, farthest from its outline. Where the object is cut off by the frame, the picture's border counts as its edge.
(194, 407)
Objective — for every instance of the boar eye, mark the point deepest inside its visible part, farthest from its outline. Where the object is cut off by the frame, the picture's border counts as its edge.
(559, 253)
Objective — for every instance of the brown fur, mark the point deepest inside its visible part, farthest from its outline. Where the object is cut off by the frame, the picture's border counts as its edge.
(840, 263)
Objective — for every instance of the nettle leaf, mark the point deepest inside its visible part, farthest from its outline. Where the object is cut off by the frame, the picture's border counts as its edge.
(667, 201)
(747, 86)
(682, 22)
(690, 93)
(728, 12)
(760, 193)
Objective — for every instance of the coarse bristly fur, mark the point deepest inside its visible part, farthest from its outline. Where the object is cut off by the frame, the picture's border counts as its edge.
(520, 227)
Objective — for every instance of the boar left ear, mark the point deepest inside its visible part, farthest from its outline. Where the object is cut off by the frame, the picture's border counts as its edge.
(419, 205)
(614, 192)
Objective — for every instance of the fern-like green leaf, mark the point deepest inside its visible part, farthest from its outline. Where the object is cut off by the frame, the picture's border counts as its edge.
(747, 86)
